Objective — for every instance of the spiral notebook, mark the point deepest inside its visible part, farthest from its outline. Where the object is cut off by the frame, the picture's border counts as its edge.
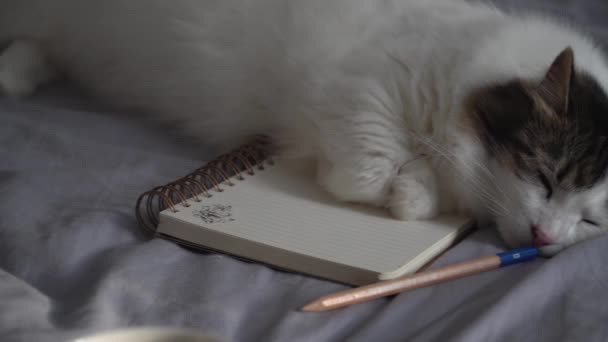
(249, 205)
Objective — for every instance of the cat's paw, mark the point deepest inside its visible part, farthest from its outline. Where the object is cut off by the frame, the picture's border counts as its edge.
(367, 184)
(23, 67)
(414, 194)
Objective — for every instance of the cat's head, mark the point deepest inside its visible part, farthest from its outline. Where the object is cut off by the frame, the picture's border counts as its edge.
(546, 145)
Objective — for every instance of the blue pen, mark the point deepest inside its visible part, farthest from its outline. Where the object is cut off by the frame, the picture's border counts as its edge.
(422, 279)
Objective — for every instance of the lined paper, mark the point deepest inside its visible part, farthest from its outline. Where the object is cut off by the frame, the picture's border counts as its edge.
(283, 207)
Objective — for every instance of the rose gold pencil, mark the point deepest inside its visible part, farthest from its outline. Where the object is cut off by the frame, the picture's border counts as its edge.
(422, 279)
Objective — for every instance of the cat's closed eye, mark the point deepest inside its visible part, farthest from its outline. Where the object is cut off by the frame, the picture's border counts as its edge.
(593, 223)
(545, 182)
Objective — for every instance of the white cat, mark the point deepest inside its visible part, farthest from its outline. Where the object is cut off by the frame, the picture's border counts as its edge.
(420, 106)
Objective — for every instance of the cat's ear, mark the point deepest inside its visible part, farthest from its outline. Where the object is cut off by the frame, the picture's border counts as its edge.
(554, 89)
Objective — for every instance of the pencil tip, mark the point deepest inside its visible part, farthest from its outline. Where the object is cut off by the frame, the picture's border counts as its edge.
(314, 306)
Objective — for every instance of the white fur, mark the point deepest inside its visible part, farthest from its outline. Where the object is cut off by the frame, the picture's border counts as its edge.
(365, 86)
(23, 67)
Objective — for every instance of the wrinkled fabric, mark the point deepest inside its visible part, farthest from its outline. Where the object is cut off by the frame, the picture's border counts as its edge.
(73, 260)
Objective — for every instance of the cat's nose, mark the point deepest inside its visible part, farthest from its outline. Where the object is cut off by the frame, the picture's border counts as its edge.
(540, 237)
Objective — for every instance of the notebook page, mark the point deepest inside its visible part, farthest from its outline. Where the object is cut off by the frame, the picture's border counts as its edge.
(283, 207)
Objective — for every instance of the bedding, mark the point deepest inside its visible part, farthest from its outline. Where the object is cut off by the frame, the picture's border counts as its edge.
(73, 260)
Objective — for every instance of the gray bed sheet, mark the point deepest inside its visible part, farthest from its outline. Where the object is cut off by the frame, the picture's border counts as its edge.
(73, 261)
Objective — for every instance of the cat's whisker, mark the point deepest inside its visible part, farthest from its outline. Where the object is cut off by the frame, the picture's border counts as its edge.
(478, 185)
(491, 177)
(481, 188)
(471, 174)
(444, 153)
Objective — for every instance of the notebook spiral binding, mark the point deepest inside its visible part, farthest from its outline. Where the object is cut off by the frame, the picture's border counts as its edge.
(202, 182)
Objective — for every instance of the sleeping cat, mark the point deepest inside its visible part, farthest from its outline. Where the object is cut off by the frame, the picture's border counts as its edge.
(423, 107)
